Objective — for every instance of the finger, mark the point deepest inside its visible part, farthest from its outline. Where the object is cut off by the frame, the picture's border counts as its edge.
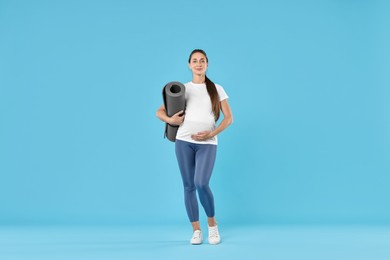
(195, 137)
(179, 113)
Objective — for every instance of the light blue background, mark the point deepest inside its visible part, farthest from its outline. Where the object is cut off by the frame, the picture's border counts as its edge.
(308, 81)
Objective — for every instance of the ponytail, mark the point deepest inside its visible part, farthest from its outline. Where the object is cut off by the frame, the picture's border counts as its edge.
(214, 97)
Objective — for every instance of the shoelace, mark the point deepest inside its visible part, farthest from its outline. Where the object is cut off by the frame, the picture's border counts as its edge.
(213, 232)
(196, 235)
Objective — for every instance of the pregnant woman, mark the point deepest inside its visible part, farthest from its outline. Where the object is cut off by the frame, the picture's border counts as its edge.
(196, 142)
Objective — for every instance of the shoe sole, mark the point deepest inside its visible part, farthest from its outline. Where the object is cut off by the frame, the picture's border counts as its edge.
(214, 243)
(196, 243)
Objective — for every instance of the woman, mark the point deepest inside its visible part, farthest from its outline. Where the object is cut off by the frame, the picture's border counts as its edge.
(196, 142)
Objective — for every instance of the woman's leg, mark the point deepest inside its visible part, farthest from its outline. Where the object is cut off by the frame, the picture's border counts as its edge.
(185, 154)
(205, 158)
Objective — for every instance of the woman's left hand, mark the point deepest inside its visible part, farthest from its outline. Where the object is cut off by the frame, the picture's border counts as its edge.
(202, 136)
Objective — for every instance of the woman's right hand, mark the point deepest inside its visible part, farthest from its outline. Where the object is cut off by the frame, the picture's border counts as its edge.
(177, 118)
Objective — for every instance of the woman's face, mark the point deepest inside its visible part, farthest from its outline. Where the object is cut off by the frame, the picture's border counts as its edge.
(198, 64)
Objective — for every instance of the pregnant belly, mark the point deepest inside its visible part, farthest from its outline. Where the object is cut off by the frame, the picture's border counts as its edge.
(192, 127)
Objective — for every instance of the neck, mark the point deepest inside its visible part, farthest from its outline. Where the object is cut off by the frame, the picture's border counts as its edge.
(199, 79)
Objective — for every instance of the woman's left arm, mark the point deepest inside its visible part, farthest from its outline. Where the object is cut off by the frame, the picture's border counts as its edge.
(227, 120)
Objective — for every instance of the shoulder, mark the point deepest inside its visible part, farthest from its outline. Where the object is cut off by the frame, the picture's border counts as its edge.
(188, 87)
(218, 86)
(188, 84)
(221, 92)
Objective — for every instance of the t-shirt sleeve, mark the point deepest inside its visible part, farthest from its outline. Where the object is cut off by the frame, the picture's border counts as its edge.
(221, 92)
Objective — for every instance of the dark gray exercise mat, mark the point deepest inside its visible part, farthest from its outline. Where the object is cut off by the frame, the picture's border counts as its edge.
(174, 101)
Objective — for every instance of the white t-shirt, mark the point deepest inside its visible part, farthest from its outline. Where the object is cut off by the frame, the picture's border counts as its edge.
(198, 114)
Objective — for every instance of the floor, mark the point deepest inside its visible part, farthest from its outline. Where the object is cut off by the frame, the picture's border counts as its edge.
(172, 242)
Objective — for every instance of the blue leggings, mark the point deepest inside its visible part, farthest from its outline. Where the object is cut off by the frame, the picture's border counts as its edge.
(196, 162)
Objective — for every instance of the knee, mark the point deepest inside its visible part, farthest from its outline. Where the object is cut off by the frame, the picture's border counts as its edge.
(189, 188)
(201, 185)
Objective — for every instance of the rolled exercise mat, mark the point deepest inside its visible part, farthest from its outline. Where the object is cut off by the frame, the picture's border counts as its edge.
(174, 101)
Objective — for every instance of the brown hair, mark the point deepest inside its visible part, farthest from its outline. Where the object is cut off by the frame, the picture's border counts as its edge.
(211, 89)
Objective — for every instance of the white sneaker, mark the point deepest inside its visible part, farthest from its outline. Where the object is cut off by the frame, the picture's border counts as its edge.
(214, 237)
(196, 237)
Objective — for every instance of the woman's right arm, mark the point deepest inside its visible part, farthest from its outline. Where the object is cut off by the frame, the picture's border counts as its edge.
(176, 119)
